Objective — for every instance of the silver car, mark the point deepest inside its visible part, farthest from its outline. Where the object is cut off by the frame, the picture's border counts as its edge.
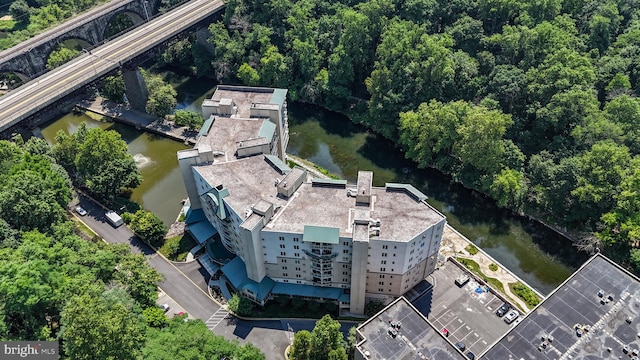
(81, 211)
(511, 316)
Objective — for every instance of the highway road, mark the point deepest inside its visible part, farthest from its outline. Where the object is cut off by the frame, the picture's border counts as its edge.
(50, 87)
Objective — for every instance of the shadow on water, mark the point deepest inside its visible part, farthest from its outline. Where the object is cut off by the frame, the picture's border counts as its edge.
(332, 123)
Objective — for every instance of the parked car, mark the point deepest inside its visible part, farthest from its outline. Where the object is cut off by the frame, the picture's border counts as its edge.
(503, 309)
(461, 346)
(471, 356)
(164, 307)
(511, 316)
(80, 210)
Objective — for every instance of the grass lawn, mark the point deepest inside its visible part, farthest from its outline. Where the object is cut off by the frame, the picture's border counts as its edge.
(176, 248)
(525, 293)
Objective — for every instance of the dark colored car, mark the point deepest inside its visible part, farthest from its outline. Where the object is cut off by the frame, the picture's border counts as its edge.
(503, 309)
(461, 346)
(471, 356)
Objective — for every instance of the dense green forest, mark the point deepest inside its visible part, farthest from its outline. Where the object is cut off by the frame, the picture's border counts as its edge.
(531, 102)
(97, 300)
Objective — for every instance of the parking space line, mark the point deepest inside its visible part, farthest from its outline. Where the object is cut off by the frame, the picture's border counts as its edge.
(479, 338)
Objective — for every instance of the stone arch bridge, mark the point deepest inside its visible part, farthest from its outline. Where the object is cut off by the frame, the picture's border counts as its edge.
(29, 59)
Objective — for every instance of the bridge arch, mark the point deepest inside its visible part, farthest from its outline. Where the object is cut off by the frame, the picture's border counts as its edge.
(121, 21)
(69, 41)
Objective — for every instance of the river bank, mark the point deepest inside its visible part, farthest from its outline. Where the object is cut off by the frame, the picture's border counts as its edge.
(140, 120)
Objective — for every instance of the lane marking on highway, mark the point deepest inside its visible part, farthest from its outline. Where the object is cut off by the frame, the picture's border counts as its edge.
(216, 318)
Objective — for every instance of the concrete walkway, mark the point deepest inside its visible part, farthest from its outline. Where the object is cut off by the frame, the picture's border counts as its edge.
(138, 119)
(454, 244)
(191, 256)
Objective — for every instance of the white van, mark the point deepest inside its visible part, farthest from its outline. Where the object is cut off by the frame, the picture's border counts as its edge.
(114, 219)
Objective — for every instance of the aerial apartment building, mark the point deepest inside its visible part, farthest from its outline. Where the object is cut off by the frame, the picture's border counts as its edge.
(295, 235)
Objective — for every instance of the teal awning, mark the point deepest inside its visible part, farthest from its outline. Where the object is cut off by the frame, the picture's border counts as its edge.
(308, 290)
(321, 234)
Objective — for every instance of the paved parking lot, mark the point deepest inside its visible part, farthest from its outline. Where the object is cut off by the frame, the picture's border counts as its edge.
(467, 312)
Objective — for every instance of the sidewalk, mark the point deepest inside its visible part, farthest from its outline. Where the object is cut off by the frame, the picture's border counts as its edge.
(454, 244)
(138, 119)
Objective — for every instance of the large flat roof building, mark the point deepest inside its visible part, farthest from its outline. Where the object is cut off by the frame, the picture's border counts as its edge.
(294, 235)
(594, 314)
(400, 331)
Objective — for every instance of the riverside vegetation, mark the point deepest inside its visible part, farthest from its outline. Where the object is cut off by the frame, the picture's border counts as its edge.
(533, 103)
(97, 300)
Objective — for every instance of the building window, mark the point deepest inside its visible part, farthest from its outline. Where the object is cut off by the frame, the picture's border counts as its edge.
(296, 254)
(285, 274)
(284, 268)
(298, 275)
(296, 247)
(381, 276)
(345, 251)
(345, 243)
(297, 261)
(345, 280)
(281, 238)
(295, 239)
(384, 254)
(282, 253)
(383, 262)
(283, 260)
(345, 266)
(383, 269)
(346, 258)
(384, 247)
(394, 255)
(345, 273)
(281, 246)
(380, 290)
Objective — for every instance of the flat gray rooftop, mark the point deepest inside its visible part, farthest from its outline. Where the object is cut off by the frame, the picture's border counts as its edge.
(613, 324)
(243, 97)
(225, 132)
(401, 216)
(249, 180)
(416, 338)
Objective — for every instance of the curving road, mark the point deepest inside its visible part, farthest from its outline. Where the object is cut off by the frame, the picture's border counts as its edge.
(52, 86)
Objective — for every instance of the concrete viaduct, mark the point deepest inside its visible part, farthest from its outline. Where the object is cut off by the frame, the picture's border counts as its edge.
(39, 93)
(29, 58)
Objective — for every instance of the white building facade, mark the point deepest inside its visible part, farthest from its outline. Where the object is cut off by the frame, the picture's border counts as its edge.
(294, 235)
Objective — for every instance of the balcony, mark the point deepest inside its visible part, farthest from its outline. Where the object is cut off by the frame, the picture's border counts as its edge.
(322, 255)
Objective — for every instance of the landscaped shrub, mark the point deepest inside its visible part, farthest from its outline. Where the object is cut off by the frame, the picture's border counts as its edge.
(472, 249)
(493, 267)
(526, 294)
